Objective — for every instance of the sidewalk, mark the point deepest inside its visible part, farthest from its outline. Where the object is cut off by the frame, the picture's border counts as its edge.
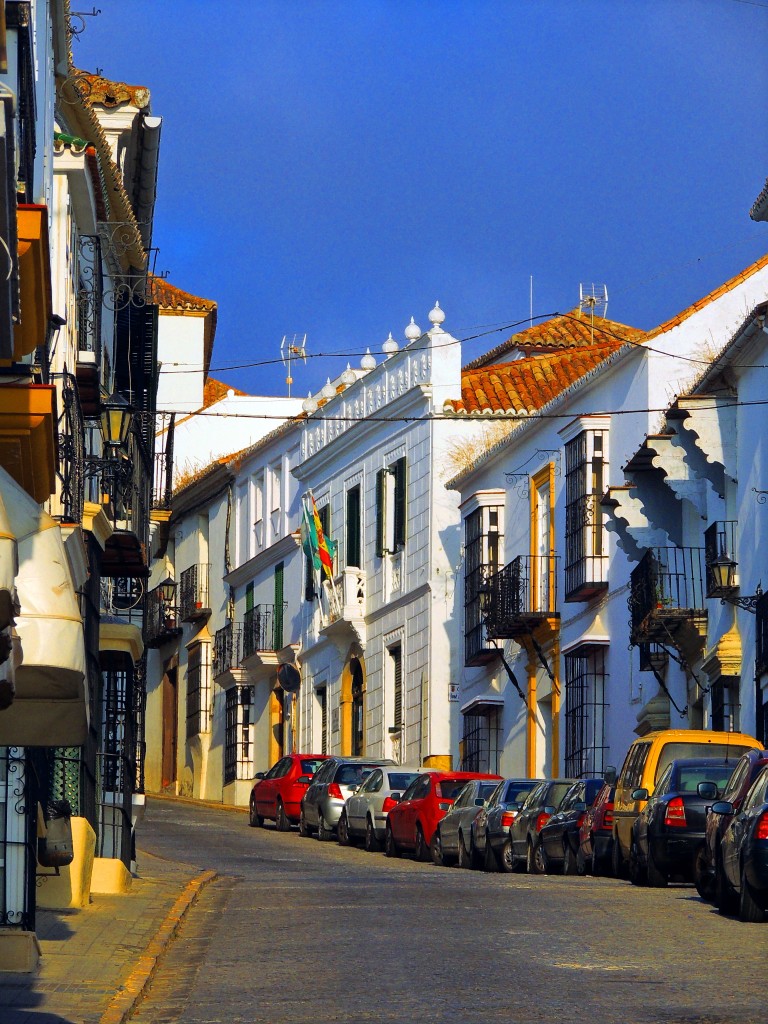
(96, 962)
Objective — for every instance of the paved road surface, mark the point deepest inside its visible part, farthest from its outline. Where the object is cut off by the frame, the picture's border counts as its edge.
(300, 931)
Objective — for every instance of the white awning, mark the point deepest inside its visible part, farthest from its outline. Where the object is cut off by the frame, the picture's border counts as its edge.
(51, 707)
(483, 704)
(8, 567)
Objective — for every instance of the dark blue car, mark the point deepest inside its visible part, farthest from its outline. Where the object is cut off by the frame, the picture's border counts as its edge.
(742, 867)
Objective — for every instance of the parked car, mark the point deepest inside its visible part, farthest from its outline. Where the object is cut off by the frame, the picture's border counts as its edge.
(559, 838)
(542, 802)
(492, 825)
(646, 759)
(324, 799)
(366, 809)
(596, 834)
(668, 832)
(748, 767)
(412, 822)
(454, 838)
(277, 793)
(742, 867)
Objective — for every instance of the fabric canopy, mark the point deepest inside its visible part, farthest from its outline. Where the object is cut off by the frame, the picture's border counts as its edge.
(50, 707)
(8, 568)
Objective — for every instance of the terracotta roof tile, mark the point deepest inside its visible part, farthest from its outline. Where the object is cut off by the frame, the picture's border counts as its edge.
(114, 94)
(168, 296)
(215, 390)
(526, 385)
(560, 332)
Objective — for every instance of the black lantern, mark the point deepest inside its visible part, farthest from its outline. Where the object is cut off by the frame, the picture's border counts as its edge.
(724, 572)
(167, 591)
(116, 415)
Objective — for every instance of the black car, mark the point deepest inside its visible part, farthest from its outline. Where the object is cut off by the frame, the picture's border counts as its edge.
(742, 867)
(542, 802)
(669, 831)
(493, 823)
(560, 836)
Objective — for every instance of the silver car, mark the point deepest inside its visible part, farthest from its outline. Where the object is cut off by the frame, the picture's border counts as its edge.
(332, 783)
(454, 838)
(365, 812)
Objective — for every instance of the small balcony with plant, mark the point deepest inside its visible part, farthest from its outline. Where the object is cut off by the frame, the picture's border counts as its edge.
(667, 596)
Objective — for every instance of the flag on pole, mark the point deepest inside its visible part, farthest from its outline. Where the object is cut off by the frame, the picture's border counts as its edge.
(309, 537)
(323, 552)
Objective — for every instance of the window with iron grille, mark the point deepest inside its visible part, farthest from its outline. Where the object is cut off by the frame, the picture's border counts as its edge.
(483, 543)
(279, 609)
(396, 659)
(198, 689)
(238, 742)
(723, 695)
(481, 742)
(585, 685)
(322, 700)
(585, 547)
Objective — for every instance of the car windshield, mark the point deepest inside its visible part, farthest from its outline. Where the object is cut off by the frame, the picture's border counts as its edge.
(353, 774)
(518, 791)
(449, 789)
(689, 777)
(309, 766)
(677, 751)
(401, 780)
(555, 795)
(486, 789)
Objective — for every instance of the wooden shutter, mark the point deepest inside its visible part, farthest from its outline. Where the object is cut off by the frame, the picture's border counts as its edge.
(397, 664)
(381, 512)
(352, 554)
(278, 614)
(399, 473)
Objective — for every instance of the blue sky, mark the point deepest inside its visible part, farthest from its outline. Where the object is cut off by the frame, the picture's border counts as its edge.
(333, 168)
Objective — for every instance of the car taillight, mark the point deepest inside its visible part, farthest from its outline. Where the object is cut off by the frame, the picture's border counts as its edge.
(675, 812)
(761, 829)
(444, 805)
(542, 820)
(388, 804)
(507, 818)
(580, 822)
(334, 790)
(608, 816)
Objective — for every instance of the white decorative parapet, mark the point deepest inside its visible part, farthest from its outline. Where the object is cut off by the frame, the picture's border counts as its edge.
(351, 589)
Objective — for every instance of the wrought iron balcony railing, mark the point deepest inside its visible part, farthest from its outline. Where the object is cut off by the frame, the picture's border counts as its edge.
(162, 478)
(666, 593)
(194, 600)
(161, 623)
(263, 629)
(227, 648)
(522, 595)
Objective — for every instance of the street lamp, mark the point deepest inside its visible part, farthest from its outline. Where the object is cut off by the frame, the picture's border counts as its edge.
(115, 421)
(723, 570)
(167, 591)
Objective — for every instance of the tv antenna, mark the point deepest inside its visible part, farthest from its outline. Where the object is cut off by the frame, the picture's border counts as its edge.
(291, 349)
(593, 299)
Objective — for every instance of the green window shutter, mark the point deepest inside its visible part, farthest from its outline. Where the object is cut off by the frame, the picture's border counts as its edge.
(249, 597)
(381, 509)
(353, 526)
(399, 472)
(397, 665)
(279, 603)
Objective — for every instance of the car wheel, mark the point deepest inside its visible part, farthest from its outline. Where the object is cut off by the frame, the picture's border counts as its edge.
(702, 876)
(324, 833)
(421, 850)
(489, 860)
(464, 859)
(508, 859)
(749, 908)
(725, 897)
(342, 830)
(657, 879)
(372, 844)
(569, 860)
(255, 820)
(390, 846)
(636, 873)
(535, 858)
(582, 864)
(303, 826)
(436, 849)
(282, 824)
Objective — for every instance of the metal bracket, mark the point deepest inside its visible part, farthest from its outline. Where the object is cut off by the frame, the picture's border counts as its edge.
(510, 673)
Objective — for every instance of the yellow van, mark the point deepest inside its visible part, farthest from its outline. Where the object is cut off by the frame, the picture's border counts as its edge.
(647, 758)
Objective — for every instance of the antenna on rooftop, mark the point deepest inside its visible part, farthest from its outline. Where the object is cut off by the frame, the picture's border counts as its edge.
(593, 298)
(290, 349)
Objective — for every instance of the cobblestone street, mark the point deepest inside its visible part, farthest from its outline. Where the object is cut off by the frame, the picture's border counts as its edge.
(296, 931)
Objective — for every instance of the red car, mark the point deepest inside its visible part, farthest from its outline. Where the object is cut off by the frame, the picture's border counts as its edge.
(596, 835)
(412, 822)
(277, 794)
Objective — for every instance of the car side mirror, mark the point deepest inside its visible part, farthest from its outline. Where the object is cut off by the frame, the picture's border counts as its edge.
(609, 775)
(549, 809)
(722, 807)
(707, 790)
(259, 775)
(639, 794)
(397, 797)
(304, 780)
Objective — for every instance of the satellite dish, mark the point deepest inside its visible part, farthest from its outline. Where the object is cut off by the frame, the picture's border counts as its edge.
(289, 678)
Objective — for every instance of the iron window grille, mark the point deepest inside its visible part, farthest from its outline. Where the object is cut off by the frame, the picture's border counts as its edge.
(90, 295)
(522, 594)
(724, 694)
(238, 742)
(483, 543)
(228, 651)
(194, 601)
(162, 477)
(586, 561)
(322, 698)
(198, 690)
(116, 758)
(666, 589)
(71, 444)
(481, 741)
(17, 841)
(396, 655)
(262, 629)
(585, 689)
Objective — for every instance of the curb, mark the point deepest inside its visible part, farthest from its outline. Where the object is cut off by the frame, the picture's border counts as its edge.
(124, 1003)
(192, 802)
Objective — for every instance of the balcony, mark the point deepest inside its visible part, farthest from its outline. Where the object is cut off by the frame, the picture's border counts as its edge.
(346, 607)
(227, 648)
(90, 291)
(262, 630)
(667, 596)
(161, 624)
(194, 602)
(523, 597)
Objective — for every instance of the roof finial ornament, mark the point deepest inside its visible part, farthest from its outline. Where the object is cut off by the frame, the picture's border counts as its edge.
(390, 346)
(348, 376)
(309, 405)
(436, 315)
(329, 390)
(412, 331)
(368, 361)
